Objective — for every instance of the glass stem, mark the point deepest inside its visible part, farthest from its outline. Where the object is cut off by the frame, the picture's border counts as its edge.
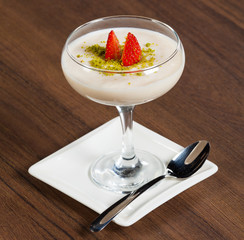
(128, 160)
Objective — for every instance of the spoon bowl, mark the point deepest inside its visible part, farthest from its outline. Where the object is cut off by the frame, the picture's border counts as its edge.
(189, 160)
(183, 165)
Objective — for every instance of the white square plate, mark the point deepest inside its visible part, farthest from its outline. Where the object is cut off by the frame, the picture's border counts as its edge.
(68, 170)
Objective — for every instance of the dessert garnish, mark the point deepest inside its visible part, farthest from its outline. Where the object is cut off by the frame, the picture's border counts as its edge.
(112, 47)
(132, 51)
(117, 57)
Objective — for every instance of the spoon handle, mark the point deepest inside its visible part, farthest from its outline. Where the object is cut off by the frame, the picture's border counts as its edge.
(107, 216)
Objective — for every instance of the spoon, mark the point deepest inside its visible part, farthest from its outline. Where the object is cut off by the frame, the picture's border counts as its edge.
(183, 165)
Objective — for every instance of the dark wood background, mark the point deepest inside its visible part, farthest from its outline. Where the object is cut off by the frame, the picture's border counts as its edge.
(40, 113)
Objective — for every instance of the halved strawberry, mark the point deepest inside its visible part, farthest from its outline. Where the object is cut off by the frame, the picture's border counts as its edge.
(112, 47)
(132, 51)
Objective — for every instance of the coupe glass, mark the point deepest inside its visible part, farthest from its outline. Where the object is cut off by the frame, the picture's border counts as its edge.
(127, 169)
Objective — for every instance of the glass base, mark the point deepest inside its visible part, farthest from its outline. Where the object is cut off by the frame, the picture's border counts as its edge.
(106, 175)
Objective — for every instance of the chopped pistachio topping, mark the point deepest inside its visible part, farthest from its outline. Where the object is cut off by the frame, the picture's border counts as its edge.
(97, 55)
(97, 50)
(139, 74)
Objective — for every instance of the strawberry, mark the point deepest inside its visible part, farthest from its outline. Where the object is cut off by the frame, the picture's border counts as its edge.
(112, 47)
(132, 51)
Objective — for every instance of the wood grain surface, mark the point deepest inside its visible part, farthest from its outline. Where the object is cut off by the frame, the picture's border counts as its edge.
(40, 113)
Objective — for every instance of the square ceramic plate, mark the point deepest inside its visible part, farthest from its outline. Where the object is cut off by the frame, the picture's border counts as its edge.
(68, 170)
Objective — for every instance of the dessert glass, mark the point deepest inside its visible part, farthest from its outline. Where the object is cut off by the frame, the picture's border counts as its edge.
(127, 169)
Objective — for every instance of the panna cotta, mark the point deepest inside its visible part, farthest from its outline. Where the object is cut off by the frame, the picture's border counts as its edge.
(128, 86)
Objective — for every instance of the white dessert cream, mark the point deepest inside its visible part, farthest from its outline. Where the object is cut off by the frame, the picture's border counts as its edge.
(129, 88)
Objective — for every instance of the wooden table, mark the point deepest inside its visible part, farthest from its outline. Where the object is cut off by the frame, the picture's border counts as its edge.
(40, 114)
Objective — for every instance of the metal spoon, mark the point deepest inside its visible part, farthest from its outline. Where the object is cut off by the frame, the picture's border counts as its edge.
(183, 165)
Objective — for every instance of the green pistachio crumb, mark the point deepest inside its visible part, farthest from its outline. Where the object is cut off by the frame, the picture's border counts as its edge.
(139, 74)
(96, 49)
(97, 55)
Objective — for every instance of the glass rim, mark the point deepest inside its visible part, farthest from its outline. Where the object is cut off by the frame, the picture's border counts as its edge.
(178, 42)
